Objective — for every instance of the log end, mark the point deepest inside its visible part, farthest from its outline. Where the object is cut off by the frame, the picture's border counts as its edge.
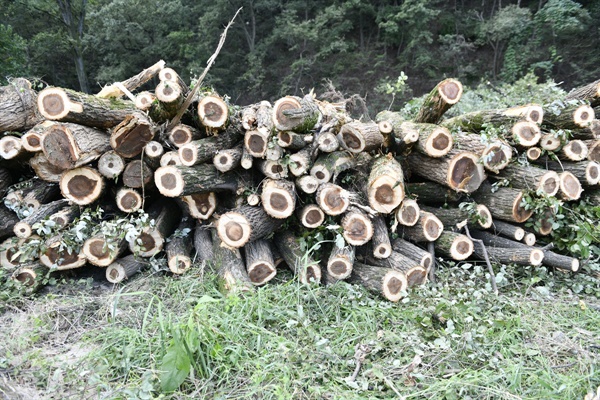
(592, 173)
(278, 203)
(261, 272)
(128, 200)
(234, 229)
(169, 181)
(213, 112)
(496, 156)
(583, 115)
(450, 90)
(461, 248)
(149, 243)
(282, 121)
(179, 264)
(385, 194)
(520, 213)
(570, 186)
(333, 199)
(526, 134)
(408, 212)
(201, 205)
(82, 185)
(432, 226)
(394, 285)
(465, 173)
(339, 267)
(311, 216)
(439, 142)
(10, 147)
(96, 251)
(54, 104)
(357, 228)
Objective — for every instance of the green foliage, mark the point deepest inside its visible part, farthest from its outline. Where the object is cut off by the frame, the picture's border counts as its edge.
(13, 54)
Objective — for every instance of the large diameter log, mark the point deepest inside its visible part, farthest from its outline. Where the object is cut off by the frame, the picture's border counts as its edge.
(24, 228)
(504, 203)
(560, 261)
(259, 262)
(340, 262)
(415, 273)
(102, 251)
(179, 180)
(137, 174)
(201, 205)
(439, 100)
(245, 224)
(213, 111)
(111, 164)
(570, 186)
(203, 150)
(408, 213)
(494, 154)
(179, 247)
(357, 227)
(8, 219)
(381, 244)
(387, 282)
(474, 215)
(569, 115)
(304, 267)
(128, 200)
(358, 136)
(385, 186)
(333, 199)
(82, 185)
(67, 105)
(459, 170)
(256, 142)
(519, 256)
(123, 268)
(120, 89)
(296, 114)
(151, 240)
(230, 266)
(132, 134)
(427, 229)
(454, 245)
(278, 198)
(10, 252)
(56, 256)
(19, 109)
(422, 257)
(531, 178)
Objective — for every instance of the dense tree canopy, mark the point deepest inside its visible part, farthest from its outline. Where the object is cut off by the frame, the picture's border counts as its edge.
(288, 47)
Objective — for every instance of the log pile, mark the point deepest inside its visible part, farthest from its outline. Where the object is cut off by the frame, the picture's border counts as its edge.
(296, 183)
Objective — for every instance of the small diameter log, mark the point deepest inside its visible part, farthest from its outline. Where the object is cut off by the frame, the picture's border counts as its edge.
(397, 132)
(44, 169)
(153, 152)
(570, 186)
(504, 203)
(10, 256)
(311, 216)
(203, 150)
(340, 262)
(203, 244)
(533, 153)
(213, 112)
(299, 261)
(245, 224)
(151, 240)
(387, 282)
(10, 148)
(248, 116)
(28, 195)
(415, 273)
(123, 268)
(588, 172)
(307, 184)
(131, 135)
(57, 257)
(385, 186)
(358, 136)
(30, 275)
(357, 227)
(519, 256)
(19, 110)
(230, 266)
(272, 169)
(421, 256)
(510, 231)
(23, 229)
(6, 180)
(408, 213)
(102, 251)
(137, 174)
(170, 98)
(525, 134)
(301, 162)
(574, 150)
(473, 215)
(494, 155)
(82, 185)
(529, 239)
(8, 219)
(59, 104)
(571, 115)
(439, 100)
(201, 205)
(593, 150)
(293, 141)
(278, 197)
(434, 141)
(333, 199)
(247, 160)
(588, 93)
(228, 159)
(427, 229)
(182, 134)
(296, 114)
(458, 170)
(170, 158)
(560, 261)
(259, 262)
(116, 89)
(128, 200)
(111, 164)
(590, 132)
(332, 164)
(550, 142)
(327, 142)
(274, 152)
(256, 142)
(179, 180)
(179, 247)
(144, 101)
(477, 120)
(382, 247)
(454, 245)
(531, 178)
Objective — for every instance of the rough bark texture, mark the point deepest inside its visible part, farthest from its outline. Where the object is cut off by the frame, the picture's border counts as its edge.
(476, 120)
(439, 100)
(306, 269)
(245, 224)
(132, 134)
(295, 114)
(427, 229)
(454, 245)
(358, 136)
(137, 174)
(504, 203)
(18, 111)
(203, 245)
(528, 177)
(179, 247)
(421, 256)
(179, 180)
(166, 216)
(259, 262)
(203, 150)
(381, 244)
(8, 219)
(124, 268)
(116, 90)
(23, 229)
(475, 215)
(589, 93)
(387, 282)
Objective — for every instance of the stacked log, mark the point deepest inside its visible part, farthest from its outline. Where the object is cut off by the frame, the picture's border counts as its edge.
(232, 186)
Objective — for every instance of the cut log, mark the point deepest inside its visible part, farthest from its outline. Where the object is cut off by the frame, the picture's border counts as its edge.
(296, 114)
(137, 174)
(259, 262)
(330, 165)
(11, 148)
(58, 257)
(116, 89)
(124, 268)
(179, 247)
(519, 256)
(525, 134)
(247, 160)
(588, 172)
(245, 224)
(550, 142)
(44, 169)
(476, 121)
(473, 215)
(397, 132)
(8, 219)
(533, 153)
(273, 169)
(333, 199)
(574, 150)
(170, 75)
(593, 150)
(381, 244)
(102, 251)
(11, 255)
(182, 134)
(278, 198)
(340, 262)
(504, 203)
(59, 104)
(569, 115)
(82, 185)
(203, 245)
(170, 158)
(387, 282)
(153, 152)
(454, 245)
(132, 134)
(179, 180)
(408, 213)
(293, 141)
(531, 178)
(427, 229)
(304, 267)
(70, 146)
(327, 142)
(301, 162)
(590, 132)
(6, 180)
(458, 170)
(230, 266)
(274, 152)
(529, 239)
(170, 98)
(256, 142)
(128, 200)
(111, 164)
(19, 109)
(570, 186)
(24, 228)
(560, 261)
(228, 159)
(203, 150)
(385, 186)
(201, 205)
(357, 137)
(357, 227)
(422, 257)
(414, 272)
(307, 184)
(510, 231)
(30, 275)
(439, 100)
(151, 240)
(311, 216)
(213, 112)
(494, 154)
(144, 101)
(434, 141)
(28, 195)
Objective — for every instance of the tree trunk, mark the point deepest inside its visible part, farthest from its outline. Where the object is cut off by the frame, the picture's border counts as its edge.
(203, 244)
(102, 251)
(525, 134)
(589, 93)
(307, 184)
(179, 247)
(593, 150)
(510, 231)
(292, 140)
(201, 205)
(30, 275)
(328, 142)
(11, 148)
(273, 169)
(410, 250)
(132, 134)
(301, 162)
(397, 132)
(434, 141)
(123, 268)
(439, 100)
(28, 195)
(23, 229)
(531, 178)
(570, 187)
(245, 224)
(574, 150)
(18, 108)
(311, 216)
(144, 101)
(259, 262)
(476, 121)
(151, 240)
(305, 268)
(153, 152)
(59, 258)
(573, 115)
(588, 172)
(519, 256)
(44, 169)
(170, 99)
(213, 112)
(182, 134)
(8, 219)
(82, 185)
(533, 153)
(228, 159)
(475, 215)
(330, 165)
(495, 155)
(387, 282)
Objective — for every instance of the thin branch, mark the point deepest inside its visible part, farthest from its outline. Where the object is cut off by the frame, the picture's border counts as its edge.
(209, 63)
(486, 258)
(431, 249)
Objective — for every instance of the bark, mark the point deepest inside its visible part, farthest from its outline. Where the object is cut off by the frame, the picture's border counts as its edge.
(301, 162)
(414, 252)
(397, 132)
(153, 152)
(82, 185)
(179, 180)
(357, 227)
(28, 195)
(574, 150)
(293, 141)
(588, 172)
(179, 247)
(434, 141)
(247, 160)
(333, 199)
(385, 185)
(357, 137)
(123, 268)
(495, 154)
(589, 132)
(476, 121)
(519, 256)
(278, 198)
(8, 219)
(44, 169)
(307, 184)
(170, 99)
(273, 169)
(439, 100)
(304, 267)
(387, 282)
(132, 134)
(201, 205)
(593, 150)
(328, 165)
(116, 90)
(454, 245)
(476, 215)
(18, 106)
(408, 213)
(128, 200)
(5, 180)
(427, 229)
(569, 115)
(245, 224)
(510, 231)
(296, 114)
(10, 258)
(24, 228)
(228, 159)
(504, 203)
(328, 142)
(111, 164)
(203, 244)
(30, 275)
(59, 104)
(340, 262)
(589, 93)
(230, 266)
(528, 177)
(381, 244)
(203, 150)
(259, 262)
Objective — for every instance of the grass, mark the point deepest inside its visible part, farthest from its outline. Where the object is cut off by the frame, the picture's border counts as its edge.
(179, 338)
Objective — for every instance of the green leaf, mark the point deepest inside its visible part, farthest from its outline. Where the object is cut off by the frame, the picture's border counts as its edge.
(175, 368)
